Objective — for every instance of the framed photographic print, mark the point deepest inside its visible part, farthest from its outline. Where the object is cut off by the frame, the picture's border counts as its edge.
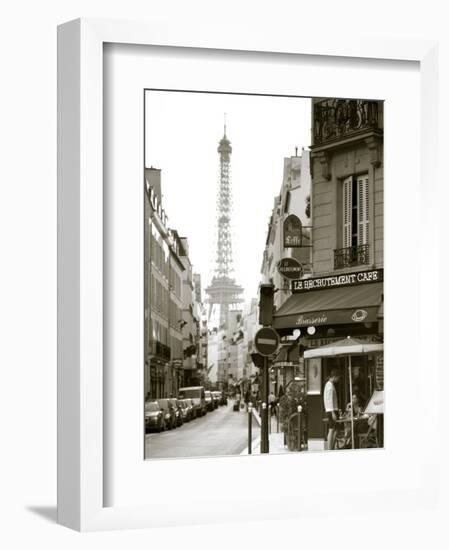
(228, 226)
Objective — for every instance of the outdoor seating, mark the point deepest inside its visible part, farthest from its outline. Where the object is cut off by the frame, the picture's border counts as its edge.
(369, 438)
(363, 440)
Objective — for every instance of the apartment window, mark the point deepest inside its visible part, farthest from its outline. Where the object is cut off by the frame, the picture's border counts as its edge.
(355, 210)
(355, 217)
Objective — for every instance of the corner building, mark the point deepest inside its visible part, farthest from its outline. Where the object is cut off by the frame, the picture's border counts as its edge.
(343, 296)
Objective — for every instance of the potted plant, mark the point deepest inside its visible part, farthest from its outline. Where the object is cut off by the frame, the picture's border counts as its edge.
(293, 397)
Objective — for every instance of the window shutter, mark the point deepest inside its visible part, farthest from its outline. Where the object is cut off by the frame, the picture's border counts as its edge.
(347, 211)
(362, 209)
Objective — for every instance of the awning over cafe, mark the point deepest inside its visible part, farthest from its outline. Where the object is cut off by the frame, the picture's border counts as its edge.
(331, 306)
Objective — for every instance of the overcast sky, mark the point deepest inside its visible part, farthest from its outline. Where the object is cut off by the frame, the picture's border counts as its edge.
(182, 134)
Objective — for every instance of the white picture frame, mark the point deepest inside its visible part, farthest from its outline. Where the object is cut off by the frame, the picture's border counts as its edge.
(81, 398)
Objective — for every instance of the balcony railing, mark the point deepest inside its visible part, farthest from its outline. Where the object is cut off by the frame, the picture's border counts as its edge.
(351, 256)
(338, 118)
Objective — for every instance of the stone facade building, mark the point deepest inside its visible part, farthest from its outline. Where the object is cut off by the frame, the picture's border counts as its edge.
(292, 200)
(347, 205)
(156, 291)
(168, 298)
(343, 295)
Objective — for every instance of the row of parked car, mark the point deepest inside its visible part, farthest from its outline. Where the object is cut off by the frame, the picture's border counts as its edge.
(214, 399)
(169, 413)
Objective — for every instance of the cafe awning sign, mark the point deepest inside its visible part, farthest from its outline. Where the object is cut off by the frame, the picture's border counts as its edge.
(292, 232)
(290, 268)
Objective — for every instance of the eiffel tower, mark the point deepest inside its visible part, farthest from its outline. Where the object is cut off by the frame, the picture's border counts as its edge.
(223, 291)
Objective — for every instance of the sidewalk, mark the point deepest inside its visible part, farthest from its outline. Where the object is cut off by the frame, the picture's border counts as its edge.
(276, 445)
(276, 440)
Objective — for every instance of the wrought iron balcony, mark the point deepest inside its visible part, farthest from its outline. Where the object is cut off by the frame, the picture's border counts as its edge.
(335, 119)
(351, 256)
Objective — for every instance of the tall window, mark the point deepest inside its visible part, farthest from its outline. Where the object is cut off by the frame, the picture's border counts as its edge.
(355, 211)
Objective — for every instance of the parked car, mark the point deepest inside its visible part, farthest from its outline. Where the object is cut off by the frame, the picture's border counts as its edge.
(178, 411)
(186, 409)
(154, 417)
(197, 394)
(215, 399)
(193, 409)
(217, 395)
(169, 413)
(209, 400)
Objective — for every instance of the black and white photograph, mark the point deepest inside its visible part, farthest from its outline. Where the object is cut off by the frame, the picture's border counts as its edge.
(263, 274)
(199, 256)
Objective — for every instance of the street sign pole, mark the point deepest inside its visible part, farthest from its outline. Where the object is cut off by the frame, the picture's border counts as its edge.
(264, 442)
(250, 428)
(266, 342)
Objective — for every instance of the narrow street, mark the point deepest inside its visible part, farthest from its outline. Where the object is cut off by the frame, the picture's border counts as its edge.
(221, 432)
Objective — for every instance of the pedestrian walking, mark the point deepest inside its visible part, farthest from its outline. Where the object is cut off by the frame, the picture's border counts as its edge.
(254, 399)
(331, 407)
(247, 398)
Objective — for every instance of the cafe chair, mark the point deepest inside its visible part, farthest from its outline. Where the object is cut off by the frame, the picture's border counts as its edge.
(369, 438)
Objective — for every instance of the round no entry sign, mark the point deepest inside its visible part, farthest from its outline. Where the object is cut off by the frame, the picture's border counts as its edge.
(266, 341)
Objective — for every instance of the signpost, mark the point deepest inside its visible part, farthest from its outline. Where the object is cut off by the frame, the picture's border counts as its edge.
(292, 232)
(290, 268)
(266, 342)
